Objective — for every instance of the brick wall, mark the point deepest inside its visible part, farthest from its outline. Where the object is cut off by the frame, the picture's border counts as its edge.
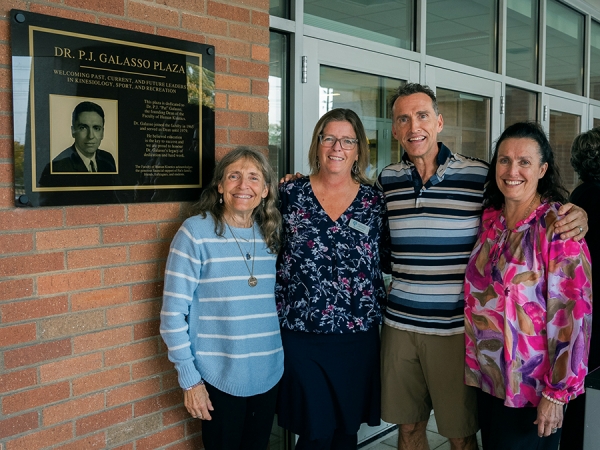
(82, 365)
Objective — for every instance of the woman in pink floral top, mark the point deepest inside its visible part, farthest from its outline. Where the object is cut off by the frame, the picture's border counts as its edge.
(527, 300)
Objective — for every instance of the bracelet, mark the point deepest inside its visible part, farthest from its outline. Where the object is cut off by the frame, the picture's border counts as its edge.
(199, 383)
(552, 400)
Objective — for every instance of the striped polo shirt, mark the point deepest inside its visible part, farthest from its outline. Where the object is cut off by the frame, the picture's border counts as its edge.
(433, 229)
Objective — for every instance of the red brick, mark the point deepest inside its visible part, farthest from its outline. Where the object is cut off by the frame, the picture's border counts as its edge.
(158, 403)
(187, 5)
(221, 135)
(42, 439)
(133, 391)
(176, 415)
(99, 298)
(133, 313)
(18, 424)
(153, 14)
(67, 238)
(162, 438)
(94, 215)
(228, 12)
(5, 121)
(149, 252)
(124, 447)
(114, 7)
(131, 352)
(68, 282)
(95, 441)
(220, 100)
(14, 381)
(127, 25)
(260, 87)
(23, 265)
(129, 233)
(68, 368)
(224, 47)
(103, 256)
(16, 243)
(33, 354)
(149, 212)
(102, 340)
(261, 53)
(249, 33)
(151, 367)
(32, 398)
(191, 443)
(229, 119)
(144, 291)
(250, 69)
(260, 19)
(101, 380)
(6, 148)
(251, 104)
(7, 197)
(241, 137)
(66, 13)
(13, 289)
(168, 230)
(6, 170)
(17, 334)
(232, 83)
(205, 25)
(34, 309)
(146, 329)
(20, 219)
(131, 274)
(180, 34)
(72, 409)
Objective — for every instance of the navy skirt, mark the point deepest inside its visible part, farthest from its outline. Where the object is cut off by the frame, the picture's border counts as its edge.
(330, 381)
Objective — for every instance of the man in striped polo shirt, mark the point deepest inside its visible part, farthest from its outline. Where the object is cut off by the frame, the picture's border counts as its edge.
(434, 200)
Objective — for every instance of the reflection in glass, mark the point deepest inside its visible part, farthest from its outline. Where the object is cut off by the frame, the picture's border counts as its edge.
(388, 22)
(521, 105)
(466, 123)
(278, 102)
(595, 61)
(564, 48)
(564, 128)
(521, 39)
(596, 122)
(368, 96)
(279, 8)
(463, 31)
(21, 72)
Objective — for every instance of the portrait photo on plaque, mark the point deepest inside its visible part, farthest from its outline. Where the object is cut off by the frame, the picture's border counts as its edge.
(105, 115)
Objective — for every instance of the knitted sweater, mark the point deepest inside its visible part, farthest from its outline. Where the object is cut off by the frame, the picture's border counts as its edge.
(216, 327)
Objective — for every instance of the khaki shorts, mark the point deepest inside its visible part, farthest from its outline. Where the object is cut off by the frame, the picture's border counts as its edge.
(421, 372)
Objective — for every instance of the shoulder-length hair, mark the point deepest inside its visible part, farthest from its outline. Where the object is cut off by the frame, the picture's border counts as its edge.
(266, 214)
(342, 115)
(549, 187)
(585, 155)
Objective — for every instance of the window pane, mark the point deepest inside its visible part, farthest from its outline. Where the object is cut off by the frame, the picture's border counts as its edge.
(595, 61)
(563, 129)
(278, 148)
(279, 8)
(390, 22)
(466, 123)
(564, 48)
(521, 106)
(463, 31)
(596, 122)
(368, 96)
(521, 39)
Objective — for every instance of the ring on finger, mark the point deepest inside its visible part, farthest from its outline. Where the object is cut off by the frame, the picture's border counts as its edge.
(554, 430)
(580, 230)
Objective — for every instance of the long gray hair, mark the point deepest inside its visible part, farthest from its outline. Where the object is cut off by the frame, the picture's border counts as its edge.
(266, 214)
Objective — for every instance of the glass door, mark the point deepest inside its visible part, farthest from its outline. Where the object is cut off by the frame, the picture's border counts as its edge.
(594, 117)
(465, 102)
(564, 119)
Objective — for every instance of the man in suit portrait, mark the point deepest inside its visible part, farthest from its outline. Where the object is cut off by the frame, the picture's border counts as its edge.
(87, 128)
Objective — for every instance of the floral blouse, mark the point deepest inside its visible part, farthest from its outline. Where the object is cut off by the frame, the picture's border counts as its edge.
(528, 310)
(329, 277)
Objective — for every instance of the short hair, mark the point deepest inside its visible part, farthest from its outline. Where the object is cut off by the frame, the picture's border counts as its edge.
(266, 214)
(585, 155)
(87, 107)
(549, 187)
(342, 115)
(414, 88)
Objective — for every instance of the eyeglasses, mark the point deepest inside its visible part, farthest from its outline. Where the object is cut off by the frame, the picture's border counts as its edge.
(329, 141)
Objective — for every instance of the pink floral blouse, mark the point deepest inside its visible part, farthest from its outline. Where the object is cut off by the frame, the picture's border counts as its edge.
(528, 310)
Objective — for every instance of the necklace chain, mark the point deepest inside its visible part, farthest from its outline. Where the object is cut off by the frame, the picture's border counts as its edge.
(252, 281)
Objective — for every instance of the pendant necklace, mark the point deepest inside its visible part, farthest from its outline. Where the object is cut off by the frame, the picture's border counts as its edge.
(252, 281)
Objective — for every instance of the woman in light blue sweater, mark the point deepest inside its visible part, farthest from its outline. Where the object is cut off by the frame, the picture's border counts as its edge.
(218, 318)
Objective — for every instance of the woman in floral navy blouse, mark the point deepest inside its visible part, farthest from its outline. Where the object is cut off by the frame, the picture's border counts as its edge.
(330, 290)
